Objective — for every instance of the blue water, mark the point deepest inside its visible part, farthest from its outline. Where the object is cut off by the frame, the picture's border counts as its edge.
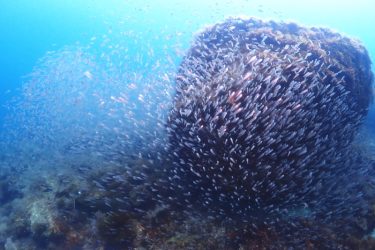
(29, 29)
(64, 66)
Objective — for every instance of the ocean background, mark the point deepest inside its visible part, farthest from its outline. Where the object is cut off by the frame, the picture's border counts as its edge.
(30, 29)
(86, 84)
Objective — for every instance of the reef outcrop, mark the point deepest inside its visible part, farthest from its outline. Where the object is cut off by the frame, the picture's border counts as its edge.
(263, 114)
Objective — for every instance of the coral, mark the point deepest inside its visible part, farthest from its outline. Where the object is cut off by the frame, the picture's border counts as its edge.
(260, 152)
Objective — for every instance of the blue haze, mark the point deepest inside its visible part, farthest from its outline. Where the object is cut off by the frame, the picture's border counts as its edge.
(31, 28)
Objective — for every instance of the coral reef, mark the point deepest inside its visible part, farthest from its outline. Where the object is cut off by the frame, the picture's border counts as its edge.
(260, 155)
(83, 207)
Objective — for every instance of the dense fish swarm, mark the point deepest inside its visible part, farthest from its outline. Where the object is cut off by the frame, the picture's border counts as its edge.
(262, 116)
(261, 129)
(80, 101)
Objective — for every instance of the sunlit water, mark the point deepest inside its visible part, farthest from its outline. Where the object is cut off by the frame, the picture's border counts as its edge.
(85, 92)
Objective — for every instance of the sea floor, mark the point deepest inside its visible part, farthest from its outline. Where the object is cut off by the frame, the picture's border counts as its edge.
(50, 201)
